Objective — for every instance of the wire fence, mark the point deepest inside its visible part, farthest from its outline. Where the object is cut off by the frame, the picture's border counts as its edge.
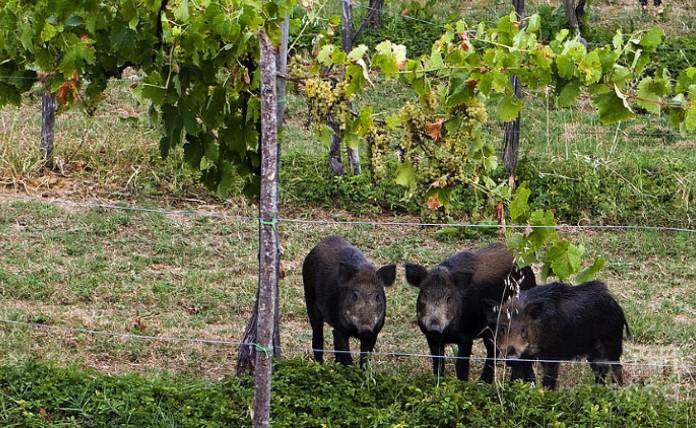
(329, 222)
(676, 365)
(69, 330)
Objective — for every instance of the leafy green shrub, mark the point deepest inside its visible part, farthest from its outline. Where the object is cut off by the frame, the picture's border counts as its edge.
(310, 395)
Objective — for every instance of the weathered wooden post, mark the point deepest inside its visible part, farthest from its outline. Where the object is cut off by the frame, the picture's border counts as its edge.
(268, 236)
(246, 357)
(282, 68)
(347, 18)
(512, 129)
(48, 119)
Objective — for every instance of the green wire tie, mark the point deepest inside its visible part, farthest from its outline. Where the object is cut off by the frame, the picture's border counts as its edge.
(265, 349)
(273, 222)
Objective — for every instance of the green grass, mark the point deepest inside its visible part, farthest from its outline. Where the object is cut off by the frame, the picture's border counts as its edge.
(308, 395)
(194, 277)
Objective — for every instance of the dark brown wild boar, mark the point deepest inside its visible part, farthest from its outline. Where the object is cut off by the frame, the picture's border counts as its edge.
(452, 304)
(564, 322)
(344, 290)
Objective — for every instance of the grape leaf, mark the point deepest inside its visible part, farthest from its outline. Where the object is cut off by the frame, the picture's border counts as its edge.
(509, 107)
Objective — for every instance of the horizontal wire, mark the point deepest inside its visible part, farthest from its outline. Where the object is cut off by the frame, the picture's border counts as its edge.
(397, 354)
(204, 214)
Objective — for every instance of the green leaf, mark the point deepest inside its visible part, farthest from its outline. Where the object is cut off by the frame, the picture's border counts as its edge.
(181, 12)
(590, 68)
(652, 39)
(352, 141)
(650, 93)
(406, 175)
(590, 272)
(612, 107)
(534, 23)
(564, 258)
(690, 119)
(509, 107)
(617, 40)
(561, 35)
(569, 94)
(519, 206)
(566, 67)
(393, 121)
(357, 53)
(49, 31)
(324, 56)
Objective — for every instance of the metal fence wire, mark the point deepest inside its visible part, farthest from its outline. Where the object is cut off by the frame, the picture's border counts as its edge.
(71, 330)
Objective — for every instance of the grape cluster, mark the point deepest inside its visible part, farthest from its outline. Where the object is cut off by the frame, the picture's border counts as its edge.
(327, 101)
(297, 67)
(378, 144)
(453, 157)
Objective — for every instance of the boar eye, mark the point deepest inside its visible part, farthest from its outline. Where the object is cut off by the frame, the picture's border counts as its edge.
(376, 297)
(524, 333)
(355, 295)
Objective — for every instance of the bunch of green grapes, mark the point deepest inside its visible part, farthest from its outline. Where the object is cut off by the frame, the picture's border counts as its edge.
(341, 107)
(443, 159)
(378, 145)
(320, 98)
(327, 102)
(413, 119)
(297, 67)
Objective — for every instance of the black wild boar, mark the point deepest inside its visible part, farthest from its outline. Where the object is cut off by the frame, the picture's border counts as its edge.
(343, 289)
(452, 303)
(563, 322)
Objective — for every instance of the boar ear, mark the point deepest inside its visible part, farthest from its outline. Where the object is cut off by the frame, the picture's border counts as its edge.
(387, 274)
(461, 278)
(534, 310)
(346, 272)
(415, 274)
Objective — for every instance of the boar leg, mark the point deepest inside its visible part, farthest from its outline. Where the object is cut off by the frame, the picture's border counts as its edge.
(366, 346)
(600, 370)
(489, 364)
(522, 370)
(550, 375)
(617, 369)
(317, 324)
(437, 350)
(464, 354)
(342, 347)
(614, 354)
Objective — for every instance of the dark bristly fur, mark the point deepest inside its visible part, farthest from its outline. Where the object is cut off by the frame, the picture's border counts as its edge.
(453, 303)
(344, 290)
(563, 322)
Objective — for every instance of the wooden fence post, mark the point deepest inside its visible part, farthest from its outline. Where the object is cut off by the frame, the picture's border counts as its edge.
(512, 129)
(282, 68)
(48, 118)
(268, 236)
(347, 18)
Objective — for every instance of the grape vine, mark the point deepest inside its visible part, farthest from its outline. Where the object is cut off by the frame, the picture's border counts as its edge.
(199, 62)
(437, 141)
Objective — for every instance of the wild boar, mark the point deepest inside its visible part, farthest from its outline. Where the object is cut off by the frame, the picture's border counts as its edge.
(344, 290)
(563, 322)
(452, 303)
